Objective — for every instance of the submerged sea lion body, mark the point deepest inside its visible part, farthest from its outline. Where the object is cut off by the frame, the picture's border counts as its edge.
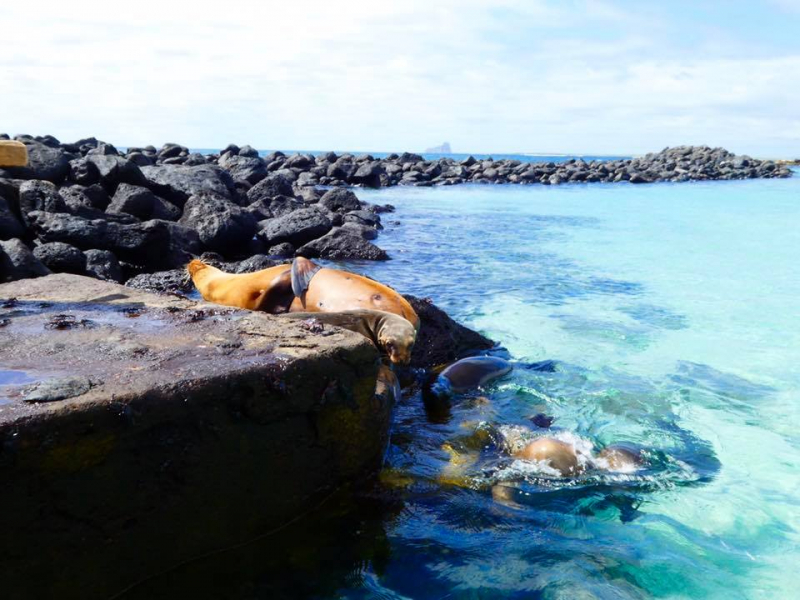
(557, 454)
(269, 290)
(468, 374)
(389, 332)
(619, 459)
(319, 289)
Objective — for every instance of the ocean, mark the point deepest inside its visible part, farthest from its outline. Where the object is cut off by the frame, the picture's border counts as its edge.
(664, 316)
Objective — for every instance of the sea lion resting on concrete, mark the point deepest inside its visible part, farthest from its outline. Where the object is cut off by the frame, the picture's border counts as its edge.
(391, 333)
(304, 286)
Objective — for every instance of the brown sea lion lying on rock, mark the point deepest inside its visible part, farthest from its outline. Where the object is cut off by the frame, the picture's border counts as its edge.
(303, 287)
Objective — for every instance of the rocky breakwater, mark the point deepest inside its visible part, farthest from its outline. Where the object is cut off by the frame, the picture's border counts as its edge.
(139, 430)
(86, 208)
(682, 163)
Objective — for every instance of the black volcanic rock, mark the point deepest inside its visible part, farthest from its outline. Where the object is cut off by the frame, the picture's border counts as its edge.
(18, 262)
(61, 258)
(44, 162)
(342, 243)
(39, 196)
(297, 227)
(222, 225)
(10, 225)
(273, 185)
(102, 264)
(340, 200)
(176, 183)
(440, 339)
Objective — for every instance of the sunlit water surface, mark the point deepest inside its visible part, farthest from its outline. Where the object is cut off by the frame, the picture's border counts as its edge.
(672, 315)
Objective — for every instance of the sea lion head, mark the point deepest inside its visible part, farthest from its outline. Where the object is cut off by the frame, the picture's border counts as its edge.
(397, 337)
(195, 265)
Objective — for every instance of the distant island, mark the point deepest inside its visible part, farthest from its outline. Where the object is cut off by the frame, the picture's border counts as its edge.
(443, 149)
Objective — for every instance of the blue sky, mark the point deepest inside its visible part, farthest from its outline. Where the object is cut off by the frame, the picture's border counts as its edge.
(499, 76)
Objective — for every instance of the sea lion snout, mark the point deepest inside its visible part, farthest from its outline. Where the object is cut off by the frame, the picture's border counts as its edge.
(195, 265)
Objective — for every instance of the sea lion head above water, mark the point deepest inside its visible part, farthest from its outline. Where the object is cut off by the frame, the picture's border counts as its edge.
(389, 332)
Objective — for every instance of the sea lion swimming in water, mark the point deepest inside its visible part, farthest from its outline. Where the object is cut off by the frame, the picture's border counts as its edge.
(389, 332)
(301, 287)
(558, 455)
(469, 373)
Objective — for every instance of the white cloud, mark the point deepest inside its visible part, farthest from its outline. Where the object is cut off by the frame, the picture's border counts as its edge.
(526, 76)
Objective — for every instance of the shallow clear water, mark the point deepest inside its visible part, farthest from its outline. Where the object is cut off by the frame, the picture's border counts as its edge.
(673, 311)
(671, 315)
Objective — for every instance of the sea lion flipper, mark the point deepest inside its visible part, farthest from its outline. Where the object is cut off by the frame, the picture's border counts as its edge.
(303, 270)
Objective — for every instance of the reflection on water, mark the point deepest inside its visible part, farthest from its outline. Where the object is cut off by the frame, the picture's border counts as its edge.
(634, 315)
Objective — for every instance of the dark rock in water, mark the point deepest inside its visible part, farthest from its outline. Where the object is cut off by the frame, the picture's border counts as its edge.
(44, 162)
(542, 420)
(102, 264)
(176, 281)
(176, 183)
(39, 195)
(269, 187)
(342, 243)
(368, 174)
(18, 262)
(284, 250)
(10, 226)
(222, 225)
(297, 227)
(61, 258)
(440, 339)
(364, 231)
(59, 389)
(340, 200)
(364, 217)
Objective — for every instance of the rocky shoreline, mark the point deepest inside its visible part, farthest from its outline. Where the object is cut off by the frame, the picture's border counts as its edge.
(87, 208)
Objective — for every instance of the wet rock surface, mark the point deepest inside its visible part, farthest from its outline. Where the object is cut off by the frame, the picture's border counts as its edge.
(440, 339)
(124, 414)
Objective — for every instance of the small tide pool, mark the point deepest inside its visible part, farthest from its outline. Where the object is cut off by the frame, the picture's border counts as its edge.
(667, 317)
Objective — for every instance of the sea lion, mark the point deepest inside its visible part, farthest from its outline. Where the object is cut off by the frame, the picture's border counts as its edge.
(469, 373)
(268, 290)
(618, 459)
(389, 332)
(558, 455)
(319, 289)
(13, 154)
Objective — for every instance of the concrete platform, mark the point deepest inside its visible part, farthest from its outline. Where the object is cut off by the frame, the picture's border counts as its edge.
(139, 430)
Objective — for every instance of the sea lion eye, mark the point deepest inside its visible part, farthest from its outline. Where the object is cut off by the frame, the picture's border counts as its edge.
(390, 348)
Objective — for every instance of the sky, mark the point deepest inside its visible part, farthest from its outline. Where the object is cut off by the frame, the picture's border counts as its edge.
(529, 76)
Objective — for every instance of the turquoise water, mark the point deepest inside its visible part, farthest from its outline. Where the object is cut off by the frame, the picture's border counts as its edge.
(673, 311)
(670, 317)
